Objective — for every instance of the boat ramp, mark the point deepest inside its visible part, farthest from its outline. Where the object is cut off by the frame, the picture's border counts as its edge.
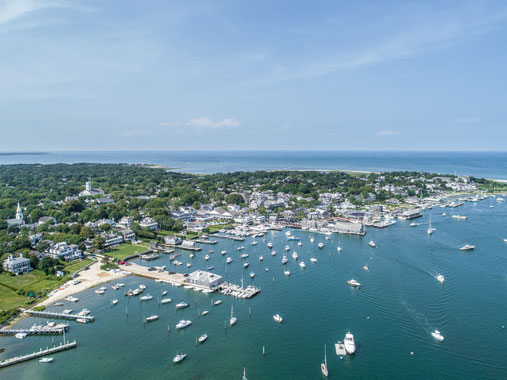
(38, 354)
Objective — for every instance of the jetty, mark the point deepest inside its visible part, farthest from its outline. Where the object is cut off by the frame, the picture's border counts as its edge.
(49, 314)
(38, 354)
(206, 241)
(235, 238)
(186, 248)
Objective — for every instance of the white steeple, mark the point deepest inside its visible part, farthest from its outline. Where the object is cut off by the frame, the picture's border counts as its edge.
(19, 213)
(88, 185)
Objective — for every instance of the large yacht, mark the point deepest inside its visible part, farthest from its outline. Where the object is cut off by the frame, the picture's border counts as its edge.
(350, 345)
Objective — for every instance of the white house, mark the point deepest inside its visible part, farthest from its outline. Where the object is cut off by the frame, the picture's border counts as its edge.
(149, 223)
(17, 265)
(172, 240)
(64, 251)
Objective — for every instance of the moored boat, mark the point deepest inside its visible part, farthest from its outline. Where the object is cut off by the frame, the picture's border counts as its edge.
(350, 345)
(278, 318)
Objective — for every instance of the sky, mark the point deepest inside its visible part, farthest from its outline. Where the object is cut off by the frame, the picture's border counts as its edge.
(246, 75)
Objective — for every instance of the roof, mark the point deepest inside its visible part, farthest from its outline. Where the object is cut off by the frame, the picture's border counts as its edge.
(203, 276)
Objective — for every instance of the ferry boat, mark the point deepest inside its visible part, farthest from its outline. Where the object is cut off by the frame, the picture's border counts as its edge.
(302, 264)
(372, 244)
(245, 265)
(278, 318)
(270, 245)
(350, 345)
(203, 338)
(354, 283)
(183, 323)
(166, 300)
(152, 318)
(46, 360)
(180, 357)
(228, 260)
(313, 260)
(437, 335)
(340, 349)
(181, 305)
(320, 245)
(440, 278)
(284, 260)
(467, 247)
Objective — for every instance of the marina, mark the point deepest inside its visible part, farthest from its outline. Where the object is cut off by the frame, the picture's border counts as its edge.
(37, 354)
(49, 314)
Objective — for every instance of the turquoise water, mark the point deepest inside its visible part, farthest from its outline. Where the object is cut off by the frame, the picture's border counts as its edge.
(480, 164)
(400, 295)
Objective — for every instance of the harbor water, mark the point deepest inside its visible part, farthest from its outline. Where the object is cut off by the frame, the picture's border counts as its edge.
(391, 315)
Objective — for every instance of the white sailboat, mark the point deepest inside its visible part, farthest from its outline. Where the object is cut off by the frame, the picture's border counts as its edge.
(323, 366)
(233, 319)
(430, 229)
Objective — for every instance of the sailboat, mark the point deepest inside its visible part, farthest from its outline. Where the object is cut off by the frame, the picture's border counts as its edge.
(233, 319)
(323, 366)
(430, 229)
(244, 374)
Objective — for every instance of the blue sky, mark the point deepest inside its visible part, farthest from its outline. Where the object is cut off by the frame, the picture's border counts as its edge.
(367, 75)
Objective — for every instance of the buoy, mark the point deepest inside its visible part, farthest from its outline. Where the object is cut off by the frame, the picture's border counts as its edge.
(367, 317)
(412, 353)
(503, 326)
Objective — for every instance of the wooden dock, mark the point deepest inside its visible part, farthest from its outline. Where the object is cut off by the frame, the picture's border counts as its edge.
(49, 314)
(235, 238)
(195, 249)
(205, 241)
(45, 331)
(37, 354)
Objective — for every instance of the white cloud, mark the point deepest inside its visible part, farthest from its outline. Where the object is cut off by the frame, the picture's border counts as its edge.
(204, 122)
(387, 133)
(11, 10)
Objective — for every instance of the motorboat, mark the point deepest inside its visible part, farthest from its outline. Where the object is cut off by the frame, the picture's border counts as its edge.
(206, 257)
(354, 283)
(181, 305)
(142, 286)
(413, 224)
(67, 311)
(295, 255)
(152, 318)
(147, 297)
(203, 338)
(366, 267)
(278, 318)
(99, 291)
(244, 255)
(164, 292)
(245, 265)
(467, 247)
(327, 238)
(372, 244)
(228, 260)
(223, 253)
(191, 255)
(241, 248)
(58, 304)
(340, 348)
(284, 260)
(286, 272)
(273, 253)
(71, 299)
(211, 267)
(204, 312)
(189, 265)
(166, 300)
(82, 320)
(261, 258)
(252, 274)
(437, 335)
(211, 251)
(320, 245)
(440, 278)
(292, 238)
(103, 288)
(313, 260)
(183, 323)
(218, 302)
(499, 199)
(266, 269)
(115, 301)
(179, 358)
(21, 335)
(270, 245)
(233, 319)
(302, 264)
(287, 248)
(312, 239)
(350, 345)
(254, 242)
(323, 366)
(339, 249)
(46, 360)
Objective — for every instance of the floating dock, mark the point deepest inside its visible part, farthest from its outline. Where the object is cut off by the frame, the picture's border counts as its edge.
(49, 314)
(37, 354)
(195, 249)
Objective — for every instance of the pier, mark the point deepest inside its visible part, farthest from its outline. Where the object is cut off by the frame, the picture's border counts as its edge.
(235, 238)
(43, 330)
(195, 249)
(233, 290)
(37, 354)
(49, 314)
(205, 241)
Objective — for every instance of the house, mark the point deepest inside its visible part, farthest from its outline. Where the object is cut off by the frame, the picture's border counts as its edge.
(125, 222)
(111, 239)
(47, 219)
(128, 235)
(188, 244)
(64, 251)
(172, 240)
(206, 279)
(104, 201)
(17, 265)
(148, 223)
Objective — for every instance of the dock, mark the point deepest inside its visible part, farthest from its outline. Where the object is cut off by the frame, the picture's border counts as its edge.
(39, 331)
(233, 290)
(195, 249)
(38, 354)
(235, 238)
(205, 241)
(49, 314)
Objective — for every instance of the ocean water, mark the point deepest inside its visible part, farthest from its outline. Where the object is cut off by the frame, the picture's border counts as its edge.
(481, 164)
(393, 313)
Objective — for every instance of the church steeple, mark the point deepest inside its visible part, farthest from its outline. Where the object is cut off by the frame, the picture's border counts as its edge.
(19, 213)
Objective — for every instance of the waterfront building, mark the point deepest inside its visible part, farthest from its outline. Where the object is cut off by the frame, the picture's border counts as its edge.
(205, 279)
(188, 244)
(172, 240)
(128, 235)
(17, 265)
(62, 250)
(111, 239)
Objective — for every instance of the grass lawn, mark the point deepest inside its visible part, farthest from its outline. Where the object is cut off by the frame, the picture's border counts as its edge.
(219, 227)
(9, 299)
(125, 250)
(74, 266)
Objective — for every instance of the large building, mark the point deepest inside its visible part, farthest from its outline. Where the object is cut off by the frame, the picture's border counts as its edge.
(89, 191)
(17, 265)
(18, 220)
(204, 279)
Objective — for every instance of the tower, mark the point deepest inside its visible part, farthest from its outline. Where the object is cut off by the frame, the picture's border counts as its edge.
(88, 185)
(19, 213)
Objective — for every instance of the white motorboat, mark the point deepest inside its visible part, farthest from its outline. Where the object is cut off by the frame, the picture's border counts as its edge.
(103, 288)
(284, 260)
(21, 335)
(245, 265)
(82, 320)
(339, 249)
(147, 297)
(233, 319)
(354, 283)
(46, 360)
(437, 335)
(152, 318)
(218, 302)
(191, 255)
(203, 338)
(164, 292)
(302, 264)
(413, 224)
(350, 345)
(366, 267)
(278, 318)
(467, 247)
(286, 272)
(270, 245)
(340, 348)
(180, 357)
(71, 299)
(166, 300)
(273, 253)
(244, 255)
(183, 323)
(228, 260)
(295, 255)
(252, 275)
(211, 251)
(300, 244)
(372, 244)
(320, 245)
(323, 366)
(206, 257)
(142, 286)
(241, 248)
(266, 269)
(261, 258)
(440, 278)
(287, 248)
(430, 229)
(499, 199)
(189, 265)
(223, 253)
(115, 301)
(204, 312)
(99, 291)
(254, 243)
(444, 214)
(312, 239)
(313, 259)
(181, 305)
